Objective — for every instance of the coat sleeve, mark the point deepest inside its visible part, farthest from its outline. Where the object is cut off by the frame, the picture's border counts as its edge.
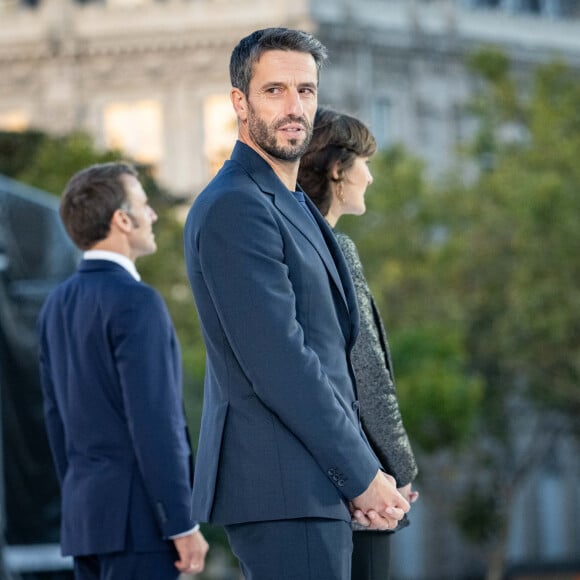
(147, 358)
(380, 413)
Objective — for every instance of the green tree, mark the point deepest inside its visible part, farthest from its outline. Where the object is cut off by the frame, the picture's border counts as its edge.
(523, 282)
(17, 149)
(520, 234)
(481, 293)
(48, 162)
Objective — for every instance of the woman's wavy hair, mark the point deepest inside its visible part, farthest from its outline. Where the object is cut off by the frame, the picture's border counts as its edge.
(338, 139)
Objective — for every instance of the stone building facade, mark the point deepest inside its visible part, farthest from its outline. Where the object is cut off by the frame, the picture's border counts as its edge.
(151, 76)
(148, 77)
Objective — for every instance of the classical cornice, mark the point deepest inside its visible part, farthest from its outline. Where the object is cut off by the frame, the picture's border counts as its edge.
(50, 46)
(456, 38)
(62, 28)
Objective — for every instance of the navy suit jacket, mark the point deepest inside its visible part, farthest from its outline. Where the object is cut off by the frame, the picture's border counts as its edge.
(111, 378)
(280, 435)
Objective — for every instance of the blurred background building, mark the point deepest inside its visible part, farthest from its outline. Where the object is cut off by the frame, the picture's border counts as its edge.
(150, 77)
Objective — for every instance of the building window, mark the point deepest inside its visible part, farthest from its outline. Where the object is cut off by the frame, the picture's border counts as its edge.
(480, 3)
(381, 123)
(14, 121)
(220, 130)
(550, 8)
(135, 128)
(127, 2)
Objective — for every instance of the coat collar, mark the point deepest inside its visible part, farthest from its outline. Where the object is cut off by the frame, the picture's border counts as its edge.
(86, 266)
(116, 257)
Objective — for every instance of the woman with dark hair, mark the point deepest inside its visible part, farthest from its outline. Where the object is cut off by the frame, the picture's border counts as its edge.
(335, 174)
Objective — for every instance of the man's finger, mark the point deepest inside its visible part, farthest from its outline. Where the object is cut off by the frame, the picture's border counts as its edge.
(360, 518)
(394, 513)
(379, 522)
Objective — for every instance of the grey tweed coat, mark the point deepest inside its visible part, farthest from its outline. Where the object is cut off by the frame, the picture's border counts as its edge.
(373, 368)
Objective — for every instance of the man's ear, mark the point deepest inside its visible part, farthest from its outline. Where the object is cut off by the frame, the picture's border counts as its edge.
(240, 104)
(121, 221)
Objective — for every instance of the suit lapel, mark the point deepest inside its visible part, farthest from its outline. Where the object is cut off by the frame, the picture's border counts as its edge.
(322, 238)
(290, 208)
(344, 274)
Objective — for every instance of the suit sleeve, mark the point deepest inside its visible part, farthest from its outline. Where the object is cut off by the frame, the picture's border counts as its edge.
(149, 366)
(243, 264)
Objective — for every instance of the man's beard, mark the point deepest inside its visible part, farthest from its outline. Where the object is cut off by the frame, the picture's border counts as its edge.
(265, 137)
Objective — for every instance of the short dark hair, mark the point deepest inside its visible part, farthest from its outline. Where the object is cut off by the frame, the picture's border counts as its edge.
(338, 139)
(250, 49)
(90, 199)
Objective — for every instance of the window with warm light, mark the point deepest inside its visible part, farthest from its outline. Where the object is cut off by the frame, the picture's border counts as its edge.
(127, 2)
(220, 130)
(136, 128)
(14, 121)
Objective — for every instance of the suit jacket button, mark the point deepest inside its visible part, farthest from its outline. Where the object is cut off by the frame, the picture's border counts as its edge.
(340, 482)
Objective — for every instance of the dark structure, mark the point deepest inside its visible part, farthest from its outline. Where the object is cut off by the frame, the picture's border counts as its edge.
(35, 254)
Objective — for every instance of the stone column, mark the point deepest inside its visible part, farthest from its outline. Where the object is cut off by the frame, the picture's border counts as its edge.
(182, 168)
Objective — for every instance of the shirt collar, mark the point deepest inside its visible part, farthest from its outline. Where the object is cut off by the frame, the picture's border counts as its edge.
(113, 257)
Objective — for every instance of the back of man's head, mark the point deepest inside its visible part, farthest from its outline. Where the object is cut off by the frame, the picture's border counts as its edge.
(90, 199)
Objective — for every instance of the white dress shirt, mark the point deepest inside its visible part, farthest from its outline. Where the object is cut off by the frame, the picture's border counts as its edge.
(123, 261)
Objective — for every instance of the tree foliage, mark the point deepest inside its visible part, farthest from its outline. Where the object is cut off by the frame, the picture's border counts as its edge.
(48, 162)
(529, 200)
(477, 280)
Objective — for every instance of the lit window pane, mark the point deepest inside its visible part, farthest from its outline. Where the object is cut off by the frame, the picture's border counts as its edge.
(220, 130)
(14, 121)
(136, 129)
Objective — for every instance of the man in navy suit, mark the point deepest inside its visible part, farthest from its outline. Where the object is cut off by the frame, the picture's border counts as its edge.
(111, 376)
(282, 461)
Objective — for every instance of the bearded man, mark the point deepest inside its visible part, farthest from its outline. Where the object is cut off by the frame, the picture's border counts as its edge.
(282, 460)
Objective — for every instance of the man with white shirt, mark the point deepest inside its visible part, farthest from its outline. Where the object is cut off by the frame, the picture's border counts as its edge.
(110, 366)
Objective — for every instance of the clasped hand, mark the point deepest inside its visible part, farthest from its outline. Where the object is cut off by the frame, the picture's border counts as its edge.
(192, 550)
(381, 506)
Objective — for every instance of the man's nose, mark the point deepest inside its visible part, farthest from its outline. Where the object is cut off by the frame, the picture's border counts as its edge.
(294, 104)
